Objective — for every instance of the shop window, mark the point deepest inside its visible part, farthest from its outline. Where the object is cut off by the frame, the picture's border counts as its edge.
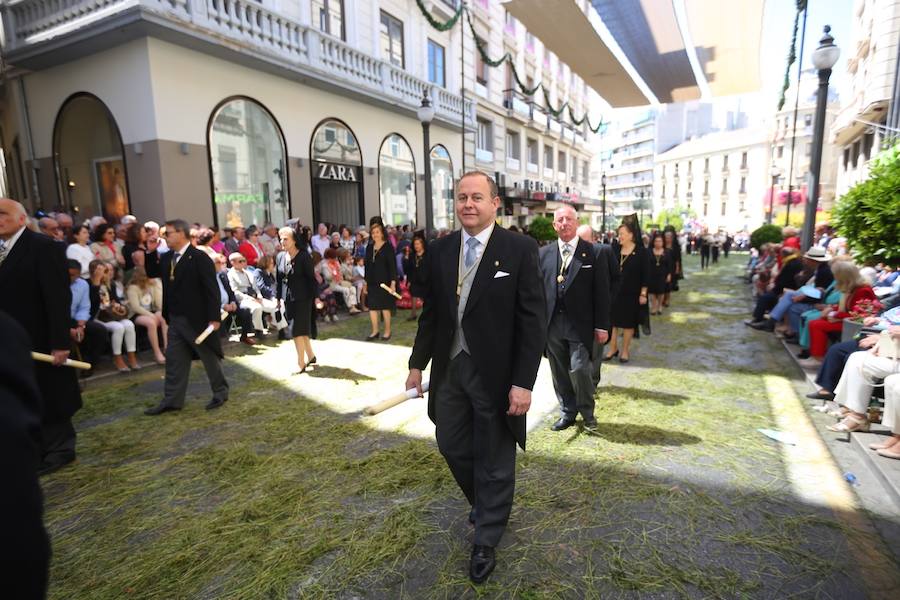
(247, 160)
(442, 210)
(397, 181)
(90, 160)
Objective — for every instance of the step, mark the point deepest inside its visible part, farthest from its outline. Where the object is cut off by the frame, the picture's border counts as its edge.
(886, 470)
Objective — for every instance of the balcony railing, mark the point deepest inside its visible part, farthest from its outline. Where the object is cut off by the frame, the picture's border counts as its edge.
(242, 23)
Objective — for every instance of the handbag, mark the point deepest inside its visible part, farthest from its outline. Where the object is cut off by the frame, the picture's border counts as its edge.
(115, 312)
(887, 346)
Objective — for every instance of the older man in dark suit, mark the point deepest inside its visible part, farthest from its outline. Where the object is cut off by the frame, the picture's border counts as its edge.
(482, 328)
(576, 285)
(34, 274)
(604, 253)
(191, 302)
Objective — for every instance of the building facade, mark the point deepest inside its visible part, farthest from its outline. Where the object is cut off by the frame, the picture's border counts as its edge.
(718, 179)
(870, 89)
(239, 112)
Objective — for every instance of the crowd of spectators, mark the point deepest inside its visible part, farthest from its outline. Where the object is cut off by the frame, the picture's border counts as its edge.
(844, 318)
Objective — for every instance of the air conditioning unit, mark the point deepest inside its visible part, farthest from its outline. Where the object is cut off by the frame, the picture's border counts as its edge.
(500, 179)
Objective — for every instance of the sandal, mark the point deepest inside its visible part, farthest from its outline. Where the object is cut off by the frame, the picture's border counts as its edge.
(888, 453)
(850, 424)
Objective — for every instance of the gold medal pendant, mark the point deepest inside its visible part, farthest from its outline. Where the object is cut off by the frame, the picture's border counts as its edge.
(560, 279)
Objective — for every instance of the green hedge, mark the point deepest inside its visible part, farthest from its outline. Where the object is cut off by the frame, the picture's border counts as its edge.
(542, 230)
(868, 215)
(766, 234)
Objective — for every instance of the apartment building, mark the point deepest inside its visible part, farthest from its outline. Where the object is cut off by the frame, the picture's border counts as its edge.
(871, 89)
(720, 177)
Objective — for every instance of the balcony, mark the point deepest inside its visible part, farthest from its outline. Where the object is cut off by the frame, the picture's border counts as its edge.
(516, 106)
(484, 156)
(42, 32)
(532, 168)
(513, 164)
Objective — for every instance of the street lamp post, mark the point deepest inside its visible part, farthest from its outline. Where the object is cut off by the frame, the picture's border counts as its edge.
(773, 172)
(824, 58)
(603, 201)
(640, 196)
(426, 114)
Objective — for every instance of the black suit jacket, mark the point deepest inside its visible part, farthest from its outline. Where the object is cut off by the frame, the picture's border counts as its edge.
(35, 280)
(585, 289)
(604, 252)
(503, 322)
(190, 290)
(298, 282)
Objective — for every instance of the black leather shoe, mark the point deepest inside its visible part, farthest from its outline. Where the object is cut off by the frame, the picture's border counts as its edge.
(590, 425)
(215, 403)
(481, 563)
(160, 409)
(49, 466)
(818, 396)
(562, 423)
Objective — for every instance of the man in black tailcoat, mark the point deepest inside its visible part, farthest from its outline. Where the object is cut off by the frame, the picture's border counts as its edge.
(482, 329)
(576, 285)
(191, 303)
(35, 280)
(603, 253)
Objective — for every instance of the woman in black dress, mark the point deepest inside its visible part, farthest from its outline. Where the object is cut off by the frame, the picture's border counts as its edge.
(416, 276)
(660, 272)
(634, 269)
(296, 287)
(381, 268)
(674, 249)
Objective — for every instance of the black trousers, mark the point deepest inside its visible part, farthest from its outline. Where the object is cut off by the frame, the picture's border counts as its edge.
(572, 371)
(95, 340)
(478, 446)
(704, 257)
(57, 441)
(179, 354)
(764, 303)
(833, 365)
(245, 320)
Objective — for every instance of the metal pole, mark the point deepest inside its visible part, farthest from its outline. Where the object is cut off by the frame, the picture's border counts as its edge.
(815, 165)
(771, 201)
(604, 206)
(462, 80)
(429, 200)
(790, 197)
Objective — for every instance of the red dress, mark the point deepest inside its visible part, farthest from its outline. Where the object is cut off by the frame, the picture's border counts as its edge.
(821, 327)
(249, 252)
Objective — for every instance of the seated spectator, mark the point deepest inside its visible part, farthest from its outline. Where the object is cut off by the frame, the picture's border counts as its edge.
(887, 282)
(88, 336)
(854, 390)
(229, 304)
(890, 448)
(108, 310)
(325, 303)
(362, 240)
(347, 241)
(154, 239)
(358, 278)
(268, 240)
(104, 246)
(266, 277)
(243, 283)
(790, 268)
(330, 269)
(205, 239)
(335, 241)
(815, 263)
(145, 301)
(49, 227)
(250, 247)
(790, 237)
(79, 250)
(854, 290)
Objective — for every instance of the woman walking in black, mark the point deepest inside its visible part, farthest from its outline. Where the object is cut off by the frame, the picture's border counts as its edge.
(381, 268)
(631, 296)
(660, 273)
(416, 276)
(296, 287)
(674, 249)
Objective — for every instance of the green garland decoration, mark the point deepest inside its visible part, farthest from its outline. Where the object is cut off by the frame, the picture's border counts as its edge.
(523, 88)
(792, 53)
(437, 24)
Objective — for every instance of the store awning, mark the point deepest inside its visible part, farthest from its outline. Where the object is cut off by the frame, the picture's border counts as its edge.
(636, 52)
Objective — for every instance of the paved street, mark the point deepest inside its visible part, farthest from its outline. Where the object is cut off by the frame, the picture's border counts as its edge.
(288, 492)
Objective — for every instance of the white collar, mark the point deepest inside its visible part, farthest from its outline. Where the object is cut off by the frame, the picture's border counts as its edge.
(573, 243)
(13, 239)
(482, 237)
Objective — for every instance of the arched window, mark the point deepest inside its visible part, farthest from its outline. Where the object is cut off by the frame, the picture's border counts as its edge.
(248, 162)
(397, 181)
(90, 167)
(336, 175)
(443, 210)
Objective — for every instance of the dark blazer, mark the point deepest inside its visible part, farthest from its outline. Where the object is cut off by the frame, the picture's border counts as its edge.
(298, 282)
(223, 277)
(190, 290)
(35, 279)
(24, 547)
(585, 290)
(605, 253)
(504, 322)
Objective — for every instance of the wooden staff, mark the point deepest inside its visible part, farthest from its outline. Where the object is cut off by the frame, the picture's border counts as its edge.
(394, 401)
(388, 289)
(47, 358)
(209, 329)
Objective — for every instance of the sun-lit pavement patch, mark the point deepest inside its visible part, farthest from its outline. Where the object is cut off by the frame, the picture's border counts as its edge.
(288, 492)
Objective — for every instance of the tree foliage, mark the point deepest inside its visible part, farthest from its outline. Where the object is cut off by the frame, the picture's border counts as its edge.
(766, 234)
(868, 215)
(541, 229)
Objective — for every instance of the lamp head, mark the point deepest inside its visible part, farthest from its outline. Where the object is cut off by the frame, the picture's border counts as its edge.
(425, 112)
(603, 179)
(826, 55)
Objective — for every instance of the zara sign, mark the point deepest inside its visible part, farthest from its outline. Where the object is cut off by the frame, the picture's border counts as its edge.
(335, 172)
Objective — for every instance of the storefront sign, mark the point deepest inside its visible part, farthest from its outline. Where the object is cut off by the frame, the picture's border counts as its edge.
(239, 198)
(336, 172)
